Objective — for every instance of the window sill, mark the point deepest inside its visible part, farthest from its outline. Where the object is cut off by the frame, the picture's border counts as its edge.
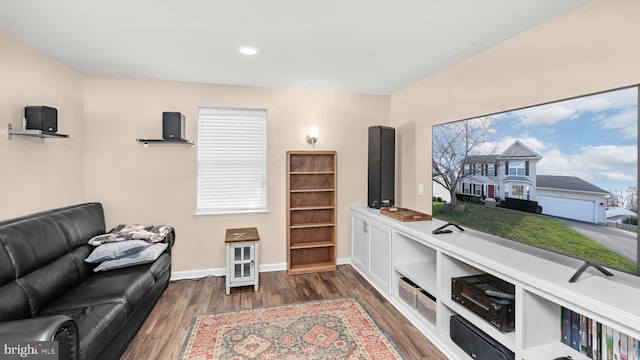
(232, 212)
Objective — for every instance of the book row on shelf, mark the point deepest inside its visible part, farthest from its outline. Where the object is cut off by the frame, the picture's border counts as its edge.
(595, 340)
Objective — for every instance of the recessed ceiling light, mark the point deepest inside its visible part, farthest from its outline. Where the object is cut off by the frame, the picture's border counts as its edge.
(248, 50)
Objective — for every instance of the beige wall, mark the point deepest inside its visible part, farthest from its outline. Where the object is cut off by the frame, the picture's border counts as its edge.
(101, 161)
(591, 49)
(37, 176)
(158, 184)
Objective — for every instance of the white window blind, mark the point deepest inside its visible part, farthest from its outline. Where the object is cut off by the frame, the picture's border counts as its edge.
(231, 161)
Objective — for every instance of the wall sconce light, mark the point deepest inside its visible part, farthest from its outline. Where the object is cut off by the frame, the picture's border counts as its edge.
(312, 138)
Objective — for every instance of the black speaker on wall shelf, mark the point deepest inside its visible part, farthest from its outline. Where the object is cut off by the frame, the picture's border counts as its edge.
(381, 166)
(172, 125)
(43, 118)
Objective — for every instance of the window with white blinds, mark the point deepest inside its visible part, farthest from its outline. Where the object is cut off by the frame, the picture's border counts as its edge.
(232, 161)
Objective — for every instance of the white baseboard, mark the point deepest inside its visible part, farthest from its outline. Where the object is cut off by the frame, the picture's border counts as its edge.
(202, 273)
(273, 267)
(196, 274)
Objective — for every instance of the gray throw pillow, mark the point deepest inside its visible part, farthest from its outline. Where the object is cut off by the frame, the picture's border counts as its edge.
(147, 255)
(116, 250)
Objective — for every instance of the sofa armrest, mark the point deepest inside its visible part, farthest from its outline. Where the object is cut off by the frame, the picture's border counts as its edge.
(60, 328)
(170, 238)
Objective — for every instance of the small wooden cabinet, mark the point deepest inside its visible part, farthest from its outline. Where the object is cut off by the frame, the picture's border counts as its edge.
(311, 211)
(242, 258)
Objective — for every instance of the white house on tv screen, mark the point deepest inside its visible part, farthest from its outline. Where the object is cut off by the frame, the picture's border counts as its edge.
(512, 174)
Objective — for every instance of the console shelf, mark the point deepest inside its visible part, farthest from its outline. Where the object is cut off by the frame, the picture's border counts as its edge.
(423, 274)
(385, 250)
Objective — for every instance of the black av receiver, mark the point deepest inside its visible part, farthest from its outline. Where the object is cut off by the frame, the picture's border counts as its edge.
(490, 297)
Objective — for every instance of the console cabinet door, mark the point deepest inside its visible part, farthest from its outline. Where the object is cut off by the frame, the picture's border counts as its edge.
(380, 254)
(360, 243)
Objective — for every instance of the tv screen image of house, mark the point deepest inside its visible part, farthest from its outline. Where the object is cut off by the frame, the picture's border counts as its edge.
(562, 176)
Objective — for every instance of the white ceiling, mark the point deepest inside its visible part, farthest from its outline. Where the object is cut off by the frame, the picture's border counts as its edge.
(365, 46)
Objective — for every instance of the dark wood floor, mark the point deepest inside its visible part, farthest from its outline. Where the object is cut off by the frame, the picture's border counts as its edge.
(163, 333)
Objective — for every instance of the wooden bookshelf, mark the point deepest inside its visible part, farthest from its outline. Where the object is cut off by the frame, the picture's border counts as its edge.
(311, 211)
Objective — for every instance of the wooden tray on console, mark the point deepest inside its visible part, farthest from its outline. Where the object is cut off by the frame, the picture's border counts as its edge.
(404, 215)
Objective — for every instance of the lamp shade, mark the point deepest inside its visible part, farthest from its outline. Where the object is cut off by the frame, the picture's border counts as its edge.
(313, 131)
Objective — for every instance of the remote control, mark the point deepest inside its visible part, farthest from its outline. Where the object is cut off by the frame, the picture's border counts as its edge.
(446, 231)
(500, 294)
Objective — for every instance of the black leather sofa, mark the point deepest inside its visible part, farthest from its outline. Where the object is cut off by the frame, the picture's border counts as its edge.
(49, 293)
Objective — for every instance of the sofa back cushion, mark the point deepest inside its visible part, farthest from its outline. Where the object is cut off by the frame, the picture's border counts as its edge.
(41, 257)
(81, 223)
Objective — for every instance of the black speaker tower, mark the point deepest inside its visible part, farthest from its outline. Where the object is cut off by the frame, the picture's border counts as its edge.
(382, 166)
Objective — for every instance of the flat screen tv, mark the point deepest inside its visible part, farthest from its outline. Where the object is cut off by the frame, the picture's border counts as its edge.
(560, 176)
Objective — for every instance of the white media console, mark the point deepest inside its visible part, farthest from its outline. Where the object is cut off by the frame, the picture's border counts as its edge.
(384, 250)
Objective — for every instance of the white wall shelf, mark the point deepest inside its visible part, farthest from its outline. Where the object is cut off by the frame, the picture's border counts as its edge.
(166, 141)
(541, 282)
(34, 133)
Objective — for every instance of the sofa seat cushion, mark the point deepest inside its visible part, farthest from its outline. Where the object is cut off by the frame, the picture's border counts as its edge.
(97, 325)
(127, 286)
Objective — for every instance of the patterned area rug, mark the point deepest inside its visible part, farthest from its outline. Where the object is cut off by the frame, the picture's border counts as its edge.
(328, 329)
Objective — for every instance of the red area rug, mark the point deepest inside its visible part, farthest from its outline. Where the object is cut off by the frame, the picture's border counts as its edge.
(328, 329)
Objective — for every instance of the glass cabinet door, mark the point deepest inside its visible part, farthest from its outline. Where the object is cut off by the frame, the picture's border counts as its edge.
(242, 259)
